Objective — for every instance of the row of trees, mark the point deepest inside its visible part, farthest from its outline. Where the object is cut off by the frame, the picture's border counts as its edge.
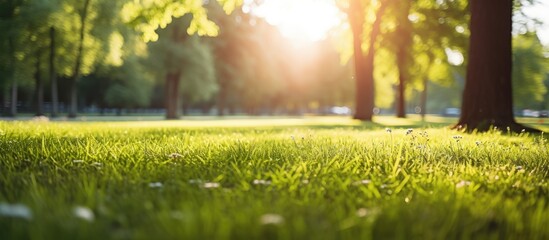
(64, 40)
(247, 66)
(441, 26)
(129, 54)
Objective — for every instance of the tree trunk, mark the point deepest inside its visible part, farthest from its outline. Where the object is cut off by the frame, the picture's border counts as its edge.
(401, 101)
(364, 63)
(487, 97)
(73, 109)
(39, 87)
(53, 76)
(403, 58)
(362, 99)
(424, 99)
(172, 95)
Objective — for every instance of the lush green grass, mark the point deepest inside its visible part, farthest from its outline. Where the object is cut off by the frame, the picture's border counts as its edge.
(311, 178)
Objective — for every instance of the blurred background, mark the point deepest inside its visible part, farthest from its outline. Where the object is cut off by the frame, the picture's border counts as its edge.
(270, 57)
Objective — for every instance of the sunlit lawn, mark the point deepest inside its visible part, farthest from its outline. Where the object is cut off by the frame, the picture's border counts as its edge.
(271, 178)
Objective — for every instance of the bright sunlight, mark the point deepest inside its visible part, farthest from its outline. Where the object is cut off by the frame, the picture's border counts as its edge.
(301, 20)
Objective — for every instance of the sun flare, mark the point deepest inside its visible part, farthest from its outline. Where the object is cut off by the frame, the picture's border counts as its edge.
(303, 20)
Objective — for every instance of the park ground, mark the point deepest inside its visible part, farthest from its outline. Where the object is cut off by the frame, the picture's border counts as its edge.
(271, 178)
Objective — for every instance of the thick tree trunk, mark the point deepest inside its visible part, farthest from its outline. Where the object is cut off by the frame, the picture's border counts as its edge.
(404, 35)
(39, 87)
(53, 76)
(172, 99)
(364, 63)
(172, 95)
(487, 97)
(73, 109)
(356, 19)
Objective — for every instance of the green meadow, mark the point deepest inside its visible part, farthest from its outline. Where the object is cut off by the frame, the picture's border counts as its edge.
(271, 178)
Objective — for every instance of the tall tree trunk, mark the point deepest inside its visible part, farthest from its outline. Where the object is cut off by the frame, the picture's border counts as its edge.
(53, 76)
(403, 58)
(172, 95)
(39, 87)
(73, 109)
(487, 97)
(401, 100)
(364, 63)
(356, 19)
(172, 100)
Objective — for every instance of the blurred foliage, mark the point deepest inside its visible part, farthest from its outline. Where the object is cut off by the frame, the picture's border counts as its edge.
(530, 68)
(230, 59)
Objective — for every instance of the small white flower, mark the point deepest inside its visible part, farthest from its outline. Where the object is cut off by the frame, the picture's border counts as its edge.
(211, 185)
(362, 182)
(175, 155)
(83, 213)
(518, 168)
(478, 143)
(463, 183)
(261, 182)
(271, 218)
(388, 130)
(15, 210)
